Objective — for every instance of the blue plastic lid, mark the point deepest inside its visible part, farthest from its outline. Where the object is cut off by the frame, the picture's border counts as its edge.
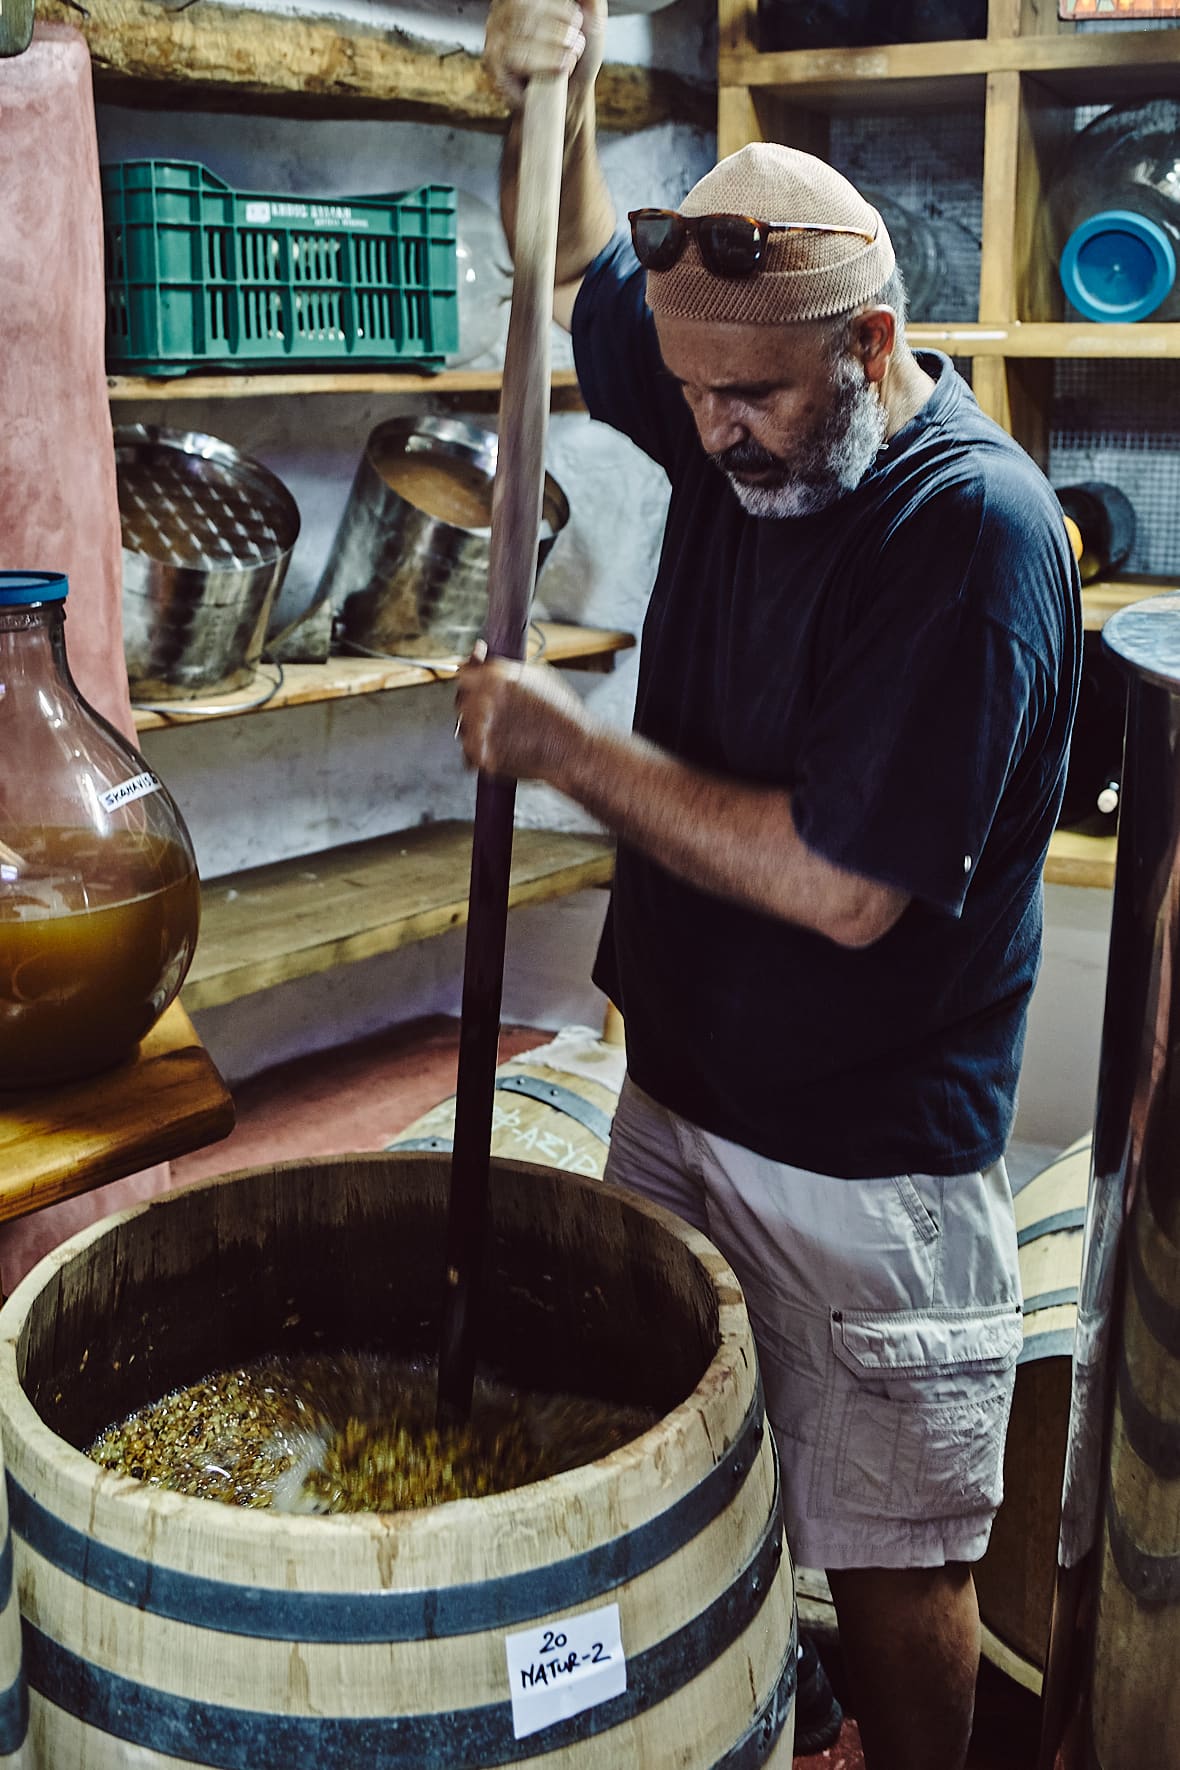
(20, 588)
(1118, 265)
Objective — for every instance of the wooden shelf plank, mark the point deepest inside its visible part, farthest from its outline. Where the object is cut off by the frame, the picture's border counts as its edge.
(298, 917)
(1100, 66)
(1067, 338)
(57, 1142)
(1075, 338)
(234, 57)
(593, 648)
(1100, 600)
(473, 386)
(1077, 859)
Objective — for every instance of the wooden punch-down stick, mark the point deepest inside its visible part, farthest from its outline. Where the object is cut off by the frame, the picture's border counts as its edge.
(512, 570)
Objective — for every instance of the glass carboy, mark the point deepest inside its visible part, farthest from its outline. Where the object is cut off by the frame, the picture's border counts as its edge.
(99, 897)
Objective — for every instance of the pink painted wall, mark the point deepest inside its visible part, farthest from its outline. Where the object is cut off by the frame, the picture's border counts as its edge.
(58, 502)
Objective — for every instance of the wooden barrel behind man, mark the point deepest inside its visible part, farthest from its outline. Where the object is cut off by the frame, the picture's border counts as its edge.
(1015, 1578)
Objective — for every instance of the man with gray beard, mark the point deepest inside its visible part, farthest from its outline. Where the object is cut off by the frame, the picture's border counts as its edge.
(857, 679)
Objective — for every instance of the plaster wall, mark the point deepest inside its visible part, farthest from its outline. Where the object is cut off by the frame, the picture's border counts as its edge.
(271, 786)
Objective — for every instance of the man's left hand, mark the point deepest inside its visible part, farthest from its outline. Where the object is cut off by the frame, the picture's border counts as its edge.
(517, 720)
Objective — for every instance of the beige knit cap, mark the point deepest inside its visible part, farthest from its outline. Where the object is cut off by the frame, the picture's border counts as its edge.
(802, 276)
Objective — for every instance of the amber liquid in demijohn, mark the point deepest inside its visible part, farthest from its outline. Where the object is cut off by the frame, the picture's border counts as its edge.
(95, 935)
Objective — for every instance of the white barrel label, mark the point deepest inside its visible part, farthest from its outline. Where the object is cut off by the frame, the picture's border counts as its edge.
(558, 1671)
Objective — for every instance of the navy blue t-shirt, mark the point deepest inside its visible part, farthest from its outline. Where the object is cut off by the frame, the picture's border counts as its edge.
(905, 663)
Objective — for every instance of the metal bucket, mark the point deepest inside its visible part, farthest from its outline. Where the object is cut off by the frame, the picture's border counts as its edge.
(407, 582)
(207, 537)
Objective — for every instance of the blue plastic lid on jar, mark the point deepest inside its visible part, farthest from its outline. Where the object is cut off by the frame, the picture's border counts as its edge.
(1118, 266)
(17, 589)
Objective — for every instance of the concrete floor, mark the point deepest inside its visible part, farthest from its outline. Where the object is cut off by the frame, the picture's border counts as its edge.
(361, 1097)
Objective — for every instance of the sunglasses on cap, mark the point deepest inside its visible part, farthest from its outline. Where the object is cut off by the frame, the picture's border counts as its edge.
(729, 245)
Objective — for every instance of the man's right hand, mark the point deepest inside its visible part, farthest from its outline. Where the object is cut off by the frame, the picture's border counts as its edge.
(544, 37)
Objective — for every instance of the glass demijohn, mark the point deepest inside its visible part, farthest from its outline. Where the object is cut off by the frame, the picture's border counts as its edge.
(99, 897)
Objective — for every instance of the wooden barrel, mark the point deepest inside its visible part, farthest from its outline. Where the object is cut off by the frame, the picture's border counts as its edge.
(1015, 1578)
(162, 1630)
(1134, 1692)
(554, 1106)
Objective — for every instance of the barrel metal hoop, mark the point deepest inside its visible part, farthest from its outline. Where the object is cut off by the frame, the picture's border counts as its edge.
(1055, 1345)
(424, 1615)
(756, 1745)
(225, 1738)
(562, 1100)
(1071, 1219)
(1155, 1442)
(1160, 1317)
(1150, 1579)
(14, 1715)
(590, 1117)
(1050, 1299)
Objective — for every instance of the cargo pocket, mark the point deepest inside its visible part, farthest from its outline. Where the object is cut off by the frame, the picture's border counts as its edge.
(915, 1429)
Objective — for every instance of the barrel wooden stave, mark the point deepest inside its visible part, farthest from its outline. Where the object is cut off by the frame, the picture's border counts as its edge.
(721, 1591)
(434, 1669)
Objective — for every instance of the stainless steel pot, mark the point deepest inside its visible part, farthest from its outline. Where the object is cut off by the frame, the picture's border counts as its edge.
(207, 537)
(405, 582)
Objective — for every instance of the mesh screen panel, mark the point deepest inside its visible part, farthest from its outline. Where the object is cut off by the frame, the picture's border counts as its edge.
(1120, 422)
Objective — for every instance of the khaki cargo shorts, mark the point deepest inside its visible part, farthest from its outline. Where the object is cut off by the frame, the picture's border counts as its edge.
(888, 1322)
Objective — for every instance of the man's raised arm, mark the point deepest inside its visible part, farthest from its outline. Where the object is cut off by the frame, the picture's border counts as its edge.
(539, 37)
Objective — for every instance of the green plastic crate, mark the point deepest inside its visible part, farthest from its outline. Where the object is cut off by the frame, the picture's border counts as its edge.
(201, 276)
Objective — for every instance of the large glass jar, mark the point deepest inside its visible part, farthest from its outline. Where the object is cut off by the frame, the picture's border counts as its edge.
(1114, 209)
(99, 898)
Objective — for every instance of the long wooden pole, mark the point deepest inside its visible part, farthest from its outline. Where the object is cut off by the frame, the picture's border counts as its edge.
(512, 570)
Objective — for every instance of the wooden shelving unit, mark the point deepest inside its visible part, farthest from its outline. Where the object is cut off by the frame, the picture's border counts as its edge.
(1078, 859)
(1101, 600)
(1026, 77)
(298, 917)
(57, 1142)
(1023, 39)
(585, 648)
(473, 388)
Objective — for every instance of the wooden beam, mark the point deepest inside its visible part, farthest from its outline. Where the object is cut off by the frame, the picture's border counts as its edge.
(222, 56)
(57, 1142)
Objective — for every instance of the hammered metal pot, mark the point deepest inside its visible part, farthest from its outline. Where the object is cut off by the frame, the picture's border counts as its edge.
(207, 537)
(404, 582)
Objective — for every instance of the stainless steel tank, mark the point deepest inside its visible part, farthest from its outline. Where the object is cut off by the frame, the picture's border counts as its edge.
(207, 537)
(406, 582)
